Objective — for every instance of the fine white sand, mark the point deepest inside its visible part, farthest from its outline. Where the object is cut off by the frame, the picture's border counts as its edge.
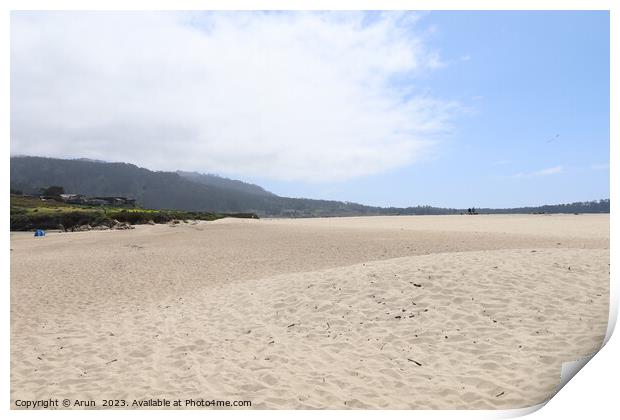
(372, 312)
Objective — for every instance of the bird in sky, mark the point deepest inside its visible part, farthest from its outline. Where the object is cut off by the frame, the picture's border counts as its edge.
(553, 138)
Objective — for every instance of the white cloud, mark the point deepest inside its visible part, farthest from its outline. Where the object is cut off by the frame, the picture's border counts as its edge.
(600, 167)
(543, 172)
(303, 96)
(549, 171)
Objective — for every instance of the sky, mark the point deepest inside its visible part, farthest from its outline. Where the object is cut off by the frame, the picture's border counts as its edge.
(451, 109)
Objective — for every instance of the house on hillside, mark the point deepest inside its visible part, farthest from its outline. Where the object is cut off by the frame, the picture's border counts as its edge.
(73, 198)
(112, 201)
(98, 201)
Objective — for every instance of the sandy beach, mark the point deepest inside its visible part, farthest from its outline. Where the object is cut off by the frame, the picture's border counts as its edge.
(403, 312)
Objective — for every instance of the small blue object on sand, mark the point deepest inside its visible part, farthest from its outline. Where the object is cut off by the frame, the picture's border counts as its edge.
(39, 232)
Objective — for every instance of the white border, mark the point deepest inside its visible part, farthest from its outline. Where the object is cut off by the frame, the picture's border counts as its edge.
(595, 390)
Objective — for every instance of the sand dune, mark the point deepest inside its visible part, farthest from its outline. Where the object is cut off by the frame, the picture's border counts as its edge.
(400, 312)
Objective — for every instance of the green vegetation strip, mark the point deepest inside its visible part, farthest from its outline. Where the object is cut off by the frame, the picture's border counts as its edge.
(29, 213)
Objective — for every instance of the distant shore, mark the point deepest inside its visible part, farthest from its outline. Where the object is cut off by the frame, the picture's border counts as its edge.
(173, 221)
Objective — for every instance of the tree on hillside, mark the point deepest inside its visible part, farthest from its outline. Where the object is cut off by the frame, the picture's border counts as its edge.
(54, 190)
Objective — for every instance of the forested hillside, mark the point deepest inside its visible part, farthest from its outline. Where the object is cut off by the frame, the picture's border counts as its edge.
(198, 192)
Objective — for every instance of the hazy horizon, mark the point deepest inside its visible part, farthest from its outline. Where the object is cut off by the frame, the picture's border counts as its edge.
(450, 109)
